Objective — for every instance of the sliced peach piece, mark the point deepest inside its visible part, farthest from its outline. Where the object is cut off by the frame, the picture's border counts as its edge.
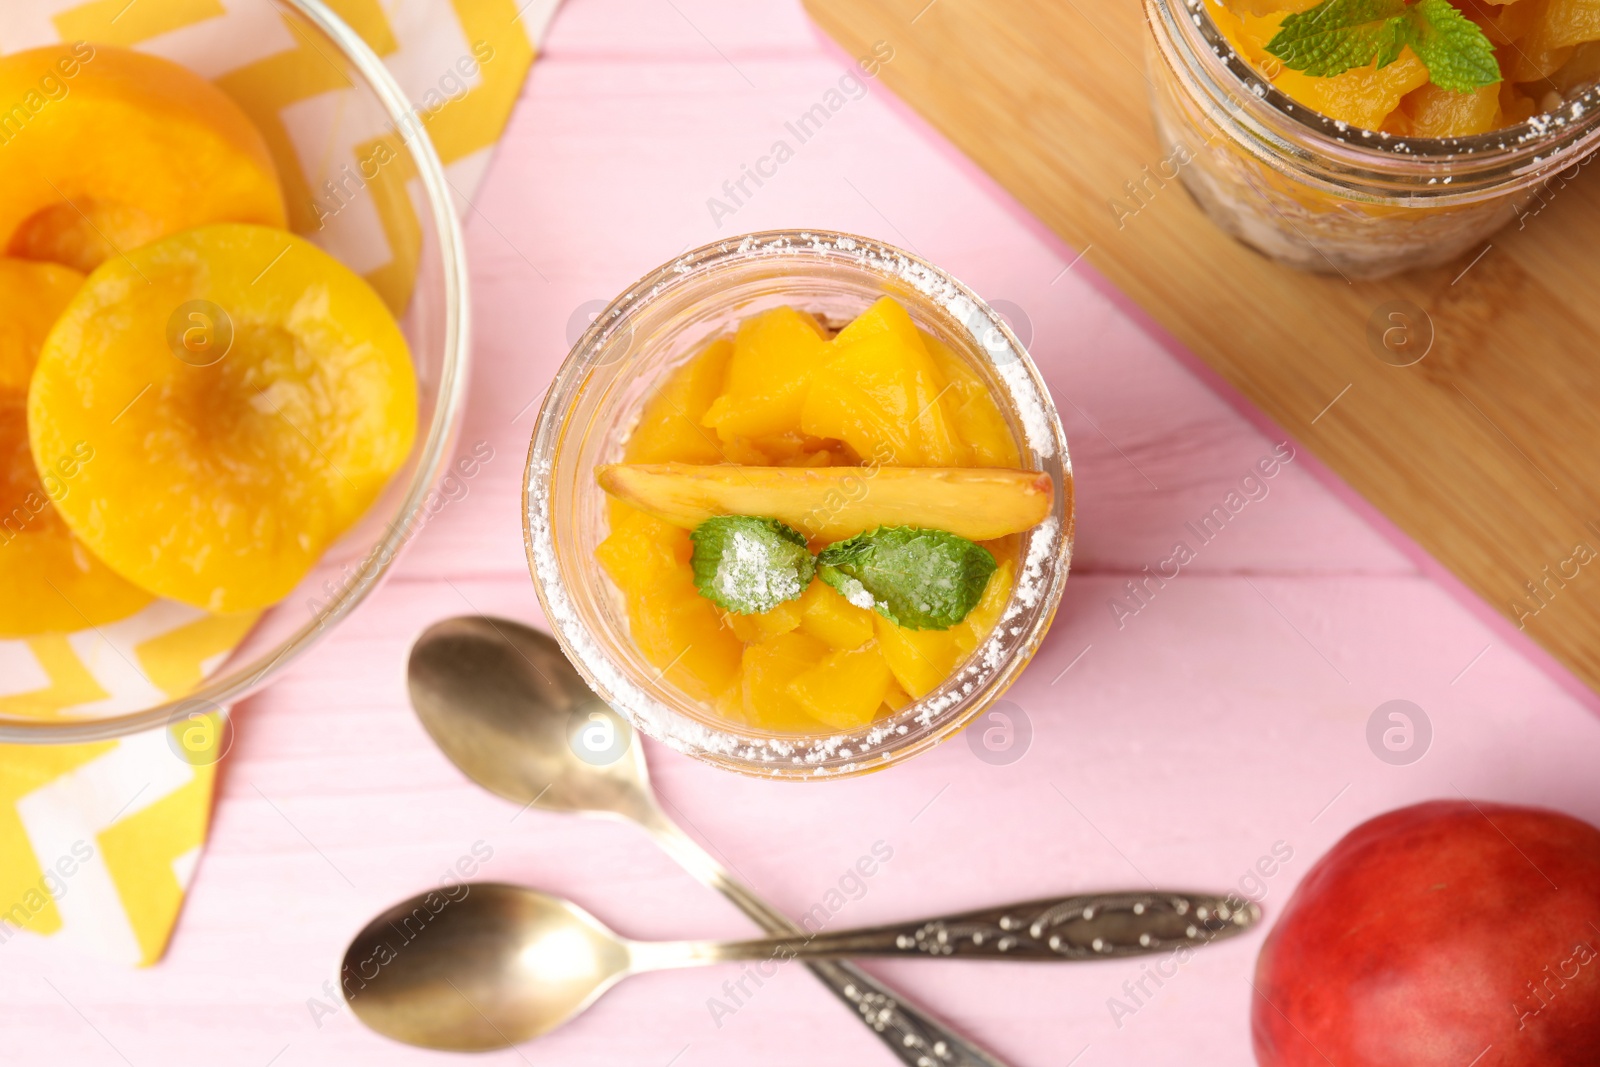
(669, 428)
(220, 485)
(126, 148)
(832, 503)
(681, 632)
(1515, 105)
(1436, 112)
(1503, 23)
(640, 548)
(773, 356)
(48, 580)
(845, 689)
(882, 390)
(974, 630)
(675, 628)
(826, 615)
(1249, 30)
(1269, 7)
(896, 698)
(919, 659)
(1582, 69)
(769, 668)
(762, 626)
(975, 416)
(1362, 96)
(836, 407)
(1564, 23)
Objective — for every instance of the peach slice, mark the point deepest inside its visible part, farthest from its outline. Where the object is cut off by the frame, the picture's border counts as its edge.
(920, 659)
(832, 503)
(881, 391)
(1269, 7)
(48, 580)
(674, 626)
(1436, 112)
(223, 469)
(669, 428)
(769, 669)
(766, 385)
(107, 149)
(829, 617)
(763, 626)
(1361, 96)
(974, 415)
(845, 689)
(1564, 23)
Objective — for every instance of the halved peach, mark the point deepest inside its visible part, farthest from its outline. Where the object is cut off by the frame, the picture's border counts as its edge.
(221, 484)
(107, 149)
(48, 580)
(832, 503)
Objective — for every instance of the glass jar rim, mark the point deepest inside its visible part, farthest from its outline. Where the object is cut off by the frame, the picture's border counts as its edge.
(1276, 128)
(920, 724)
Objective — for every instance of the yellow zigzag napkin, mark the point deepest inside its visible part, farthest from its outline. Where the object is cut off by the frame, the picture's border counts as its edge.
(98, 842)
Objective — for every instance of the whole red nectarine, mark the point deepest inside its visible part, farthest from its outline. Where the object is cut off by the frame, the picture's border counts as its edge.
(1449, 934)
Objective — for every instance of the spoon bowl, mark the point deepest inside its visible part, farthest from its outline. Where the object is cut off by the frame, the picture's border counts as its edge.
(478, 966)
(507, 708)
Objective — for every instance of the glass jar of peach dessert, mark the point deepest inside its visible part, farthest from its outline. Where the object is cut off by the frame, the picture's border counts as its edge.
(1367, 138)
(799, 504)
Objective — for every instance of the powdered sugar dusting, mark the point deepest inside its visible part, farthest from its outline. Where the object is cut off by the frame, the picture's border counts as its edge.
(856, 593)
(746, 574)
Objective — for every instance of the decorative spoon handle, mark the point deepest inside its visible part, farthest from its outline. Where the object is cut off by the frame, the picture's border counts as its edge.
(1090, 927)
(915, 1037)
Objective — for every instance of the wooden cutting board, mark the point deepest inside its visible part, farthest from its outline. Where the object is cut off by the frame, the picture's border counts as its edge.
(1487, 452)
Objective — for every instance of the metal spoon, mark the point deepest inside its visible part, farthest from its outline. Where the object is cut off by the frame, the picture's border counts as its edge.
(504, 704)
(480, 966)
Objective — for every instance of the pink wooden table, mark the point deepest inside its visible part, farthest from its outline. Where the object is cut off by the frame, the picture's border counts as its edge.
(1177, 746)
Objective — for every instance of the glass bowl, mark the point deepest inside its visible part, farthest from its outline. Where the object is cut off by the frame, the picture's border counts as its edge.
(597, 397)
(435, 323)
(1325, 196)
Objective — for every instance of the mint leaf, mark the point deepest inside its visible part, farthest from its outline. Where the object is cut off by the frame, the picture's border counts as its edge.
(748, 565)
(1453, 47)
(919, 579)
(1337, 35)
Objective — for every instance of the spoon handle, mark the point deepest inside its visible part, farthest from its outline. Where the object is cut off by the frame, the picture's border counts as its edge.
(915, 1037)
(1090, 927)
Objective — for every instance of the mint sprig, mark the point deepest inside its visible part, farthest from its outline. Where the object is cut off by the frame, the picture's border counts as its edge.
(1338, 35)
(749, 565)
(916, 578)
(1453, 47)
